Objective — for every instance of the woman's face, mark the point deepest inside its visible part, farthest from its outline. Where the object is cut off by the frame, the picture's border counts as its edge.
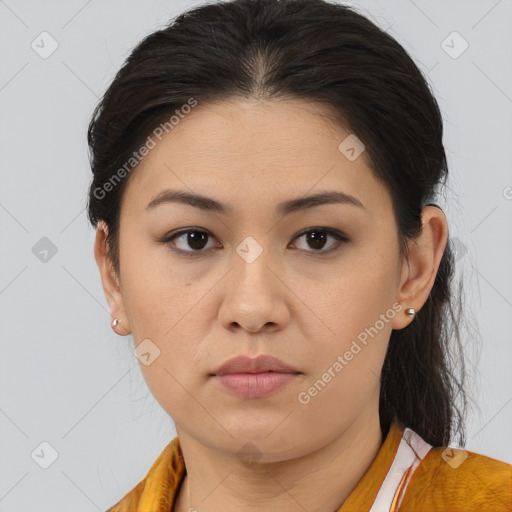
(250, 280)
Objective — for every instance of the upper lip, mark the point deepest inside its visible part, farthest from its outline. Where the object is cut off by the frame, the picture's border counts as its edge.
(260, 364)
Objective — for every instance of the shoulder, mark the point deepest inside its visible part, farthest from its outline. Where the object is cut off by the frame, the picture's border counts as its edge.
(159, 484)
(456, 480)
(129, 502)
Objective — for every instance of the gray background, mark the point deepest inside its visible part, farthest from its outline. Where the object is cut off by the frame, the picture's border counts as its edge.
(66, 378)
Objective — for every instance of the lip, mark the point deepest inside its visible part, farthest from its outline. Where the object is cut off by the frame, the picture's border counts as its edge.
(255, 377)
(262, 363)
(255, 385)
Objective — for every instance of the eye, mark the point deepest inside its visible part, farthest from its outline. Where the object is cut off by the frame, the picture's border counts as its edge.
(197, 239)
(317, 237)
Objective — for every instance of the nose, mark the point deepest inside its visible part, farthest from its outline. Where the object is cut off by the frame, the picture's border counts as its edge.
(255, 298)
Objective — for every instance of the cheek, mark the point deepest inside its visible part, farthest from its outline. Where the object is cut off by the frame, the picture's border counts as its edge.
(164, 307)
(156, 295)
(351, 294)
(352, 320)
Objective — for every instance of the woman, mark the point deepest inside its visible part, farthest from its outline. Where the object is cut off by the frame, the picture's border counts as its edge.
(265, 175)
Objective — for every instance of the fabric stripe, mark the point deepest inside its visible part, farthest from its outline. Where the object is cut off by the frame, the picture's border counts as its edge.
(411, 450)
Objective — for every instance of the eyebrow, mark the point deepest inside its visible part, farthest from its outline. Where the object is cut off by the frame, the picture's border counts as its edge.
(284, 208)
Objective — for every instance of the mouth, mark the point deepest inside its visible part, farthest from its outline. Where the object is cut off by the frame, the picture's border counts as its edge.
(254, 372)
(262, 364)
(252, 385)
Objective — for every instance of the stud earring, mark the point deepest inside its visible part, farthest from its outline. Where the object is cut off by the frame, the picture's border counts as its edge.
(115, 322)
(410, 312)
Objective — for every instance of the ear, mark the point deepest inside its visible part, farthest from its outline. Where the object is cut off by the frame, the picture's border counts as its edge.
(110, 281)
(420, 269)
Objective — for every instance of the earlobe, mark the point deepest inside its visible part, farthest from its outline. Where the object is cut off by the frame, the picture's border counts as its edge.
(110, 281)
(420, 269)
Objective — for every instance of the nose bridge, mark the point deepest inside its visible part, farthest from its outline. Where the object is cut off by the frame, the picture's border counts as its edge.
(252, 299)
(252, 264)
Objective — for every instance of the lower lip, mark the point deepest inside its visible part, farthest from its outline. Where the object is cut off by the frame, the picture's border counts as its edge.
(255, 385)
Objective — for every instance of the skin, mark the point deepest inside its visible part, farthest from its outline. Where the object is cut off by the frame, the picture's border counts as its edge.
(291, 302)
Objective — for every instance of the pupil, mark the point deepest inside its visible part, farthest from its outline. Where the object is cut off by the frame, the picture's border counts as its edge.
(315, 234)
(195, 238)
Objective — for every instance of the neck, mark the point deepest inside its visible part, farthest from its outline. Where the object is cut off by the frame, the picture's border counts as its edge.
(319, 481)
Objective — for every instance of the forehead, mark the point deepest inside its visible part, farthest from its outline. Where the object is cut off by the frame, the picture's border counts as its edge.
(242, 149)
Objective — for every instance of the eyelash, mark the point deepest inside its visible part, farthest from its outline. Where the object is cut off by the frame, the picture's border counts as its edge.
(195, 253)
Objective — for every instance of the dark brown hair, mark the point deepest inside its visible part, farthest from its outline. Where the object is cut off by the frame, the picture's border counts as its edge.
(322, 52)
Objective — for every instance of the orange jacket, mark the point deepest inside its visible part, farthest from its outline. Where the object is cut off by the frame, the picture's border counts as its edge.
(442, 480)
